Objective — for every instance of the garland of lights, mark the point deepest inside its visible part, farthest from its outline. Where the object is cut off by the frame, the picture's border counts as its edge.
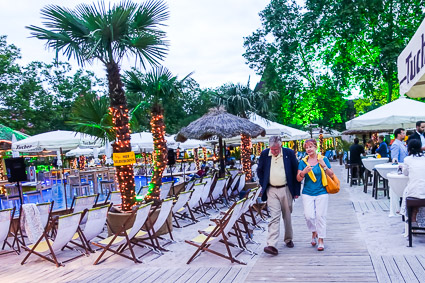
(204, 152)
(196, 157)
(2, 175)
(82, 162)
(159, 154)
(125, 173)
(246, 156)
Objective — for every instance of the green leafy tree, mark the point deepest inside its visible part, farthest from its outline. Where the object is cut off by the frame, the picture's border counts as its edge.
(158, 87)
(108, 34)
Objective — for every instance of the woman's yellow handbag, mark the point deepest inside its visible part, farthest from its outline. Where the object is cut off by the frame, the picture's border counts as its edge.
(333, 184)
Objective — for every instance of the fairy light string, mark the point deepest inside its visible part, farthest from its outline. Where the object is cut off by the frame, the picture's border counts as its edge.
(159, 155)
(246, 155)
(124, 175)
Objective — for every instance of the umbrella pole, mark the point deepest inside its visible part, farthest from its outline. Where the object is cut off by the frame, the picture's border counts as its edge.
(220, 154)
(63, 180)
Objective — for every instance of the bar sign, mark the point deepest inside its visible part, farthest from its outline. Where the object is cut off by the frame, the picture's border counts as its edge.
(124, 158)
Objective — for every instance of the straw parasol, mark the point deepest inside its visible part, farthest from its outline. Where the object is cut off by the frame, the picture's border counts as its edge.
(218, 123)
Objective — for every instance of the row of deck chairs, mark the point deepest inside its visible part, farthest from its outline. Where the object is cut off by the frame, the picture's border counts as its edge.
(79, 229)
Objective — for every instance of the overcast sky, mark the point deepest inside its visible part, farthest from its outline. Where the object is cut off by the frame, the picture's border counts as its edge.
(206, 36)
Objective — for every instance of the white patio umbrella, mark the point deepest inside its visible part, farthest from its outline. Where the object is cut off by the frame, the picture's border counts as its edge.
(15, 153)
(56, 140)
(400, 113)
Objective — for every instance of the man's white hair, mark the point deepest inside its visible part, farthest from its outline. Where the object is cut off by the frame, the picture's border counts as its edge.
(275, 140)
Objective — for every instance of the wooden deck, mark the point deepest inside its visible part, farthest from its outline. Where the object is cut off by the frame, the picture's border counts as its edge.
(349, 254)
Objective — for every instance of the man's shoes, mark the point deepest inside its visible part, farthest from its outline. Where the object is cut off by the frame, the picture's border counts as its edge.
(270, 250)
(290, 244)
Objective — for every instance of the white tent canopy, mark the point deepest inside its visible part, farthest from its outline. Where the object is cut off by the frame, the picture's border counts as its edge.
(411, 65)
(144, 141)
(55, 140)
(80, 151)
(189, 144)
(276, 129)
(400, 113)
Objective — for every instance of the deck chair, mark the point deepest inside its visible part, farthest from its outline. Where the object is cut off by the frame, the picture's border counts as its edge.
(45, 209)
(192, 204)
(79, 204)
(218, 234)
(96, 220)
(6, 217)
(180, 204)
(232, 187)
(85, 202)
(217, 192)
(205, 194)
(189, 185)
(151, 232)
(122, 238)
(143, 191)
(46, 247)
(165, 189)
(114, 197)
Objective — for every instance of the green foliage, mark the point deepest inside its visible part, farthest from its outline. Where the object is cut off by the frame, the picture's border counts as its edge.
(318, 54)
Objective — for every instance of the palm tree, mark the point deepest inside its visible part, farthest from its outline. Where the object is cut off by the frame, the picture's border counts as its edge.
(108, 34)
(240, 100)
(157, 87)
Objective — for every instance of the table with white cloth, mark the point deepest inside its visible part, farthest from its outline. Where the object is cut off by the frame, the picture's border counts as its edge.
(369, 163)
(383, 170)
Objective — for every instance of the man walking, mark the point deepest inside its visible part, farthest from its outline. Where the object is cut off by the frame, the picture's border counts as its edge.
(398, 148)
(419, 134)
(277, 171)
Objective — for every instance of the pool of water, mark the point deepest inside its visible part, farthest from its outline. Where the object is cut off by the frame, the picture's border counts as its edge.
(57, 194)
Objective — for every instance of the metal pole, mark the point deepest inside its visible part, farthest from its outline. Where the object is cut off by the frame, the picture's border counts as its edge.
(220, 145)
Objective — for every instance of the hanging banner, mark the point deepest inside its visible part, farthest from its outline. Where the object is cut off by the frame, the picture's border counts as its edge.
(124, 158)
(411, 65)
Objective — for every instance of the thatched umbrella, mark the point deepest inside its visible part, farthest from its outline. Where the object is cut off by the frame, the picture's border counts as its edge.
(217, 122)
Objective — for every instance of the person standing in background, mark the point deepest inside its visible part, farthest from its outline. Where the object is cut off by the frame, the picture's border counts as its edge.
(383, 147)
(398, 148)
(419, 134)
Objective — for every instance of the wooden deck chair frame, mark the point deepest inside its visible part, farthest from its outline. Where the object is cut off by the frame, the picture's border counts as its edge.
(123, 232)
(232, 186)
(49, 218)
(81, 234)
(205, 194)
(32, 248)
(6, 234)
(179, 206)
(192, 204)
(217, 192)
(152, 229)
(219, 234)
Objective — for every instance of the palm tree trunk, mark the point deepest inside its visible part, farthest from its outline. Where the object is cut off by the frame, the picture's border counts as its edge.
(246, 156)
(159, 153)
(120, 119)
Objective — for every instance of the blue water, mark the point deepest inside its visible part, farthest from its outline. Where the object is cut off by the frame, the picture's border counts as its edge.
(57, 194)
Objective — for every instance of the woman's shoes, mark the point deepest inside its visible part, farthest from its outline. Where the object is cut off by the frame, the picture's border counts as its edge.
(314, 241)
(321, 247)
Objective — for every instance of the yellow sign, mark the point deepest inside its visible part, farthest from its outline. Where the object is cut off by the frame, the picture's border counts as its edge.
(124, 158)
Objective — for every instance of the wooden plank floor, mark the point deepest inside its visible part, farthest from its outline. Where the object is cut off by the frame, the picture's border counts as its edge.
(345, 259)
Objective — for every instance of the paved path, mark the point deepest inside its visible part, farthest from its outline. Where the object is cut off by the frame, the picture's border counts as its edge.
(345, 259)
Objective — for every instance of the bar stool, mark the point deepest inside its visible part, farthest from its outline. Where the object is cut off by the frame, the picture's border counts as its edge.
(377, 178)
(353, 174)
(367, 179)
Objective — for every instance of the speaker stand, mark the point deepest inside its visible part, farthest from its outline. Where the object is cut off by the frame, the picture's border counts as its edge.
(172, 180)
(21, 194)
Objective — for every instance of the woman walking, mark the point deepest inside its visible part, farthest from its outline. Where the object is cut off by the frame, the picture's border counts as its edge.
(315, 197)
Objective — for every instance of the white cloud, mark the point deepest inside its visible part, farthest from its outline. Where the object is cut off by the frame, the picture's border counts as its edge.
(206, 36)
